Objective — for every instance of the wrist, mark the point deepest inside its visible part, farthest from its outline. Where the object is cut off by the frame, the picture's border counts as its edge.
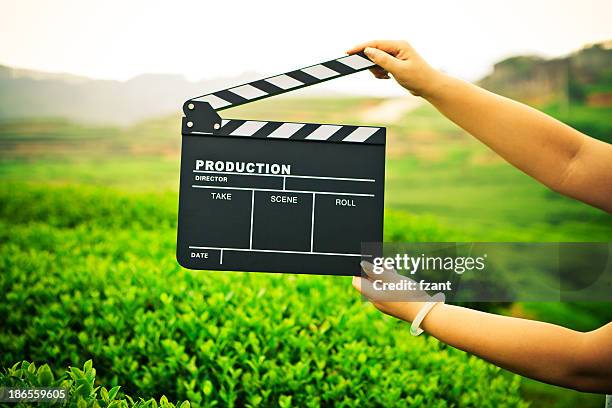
(437, 84)
(410, 310)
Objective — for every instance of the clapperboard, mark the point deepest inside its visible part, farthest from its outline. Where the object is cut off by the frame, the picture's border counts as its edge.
(278, 196)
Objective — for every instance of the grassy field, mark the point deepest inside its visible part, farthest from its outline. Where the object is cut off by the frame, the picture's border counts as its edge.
(95, 209)
(89, 273)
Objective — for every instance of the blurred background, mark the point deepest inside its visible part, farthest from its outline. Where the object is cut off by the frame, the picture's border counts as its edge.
(90, 98)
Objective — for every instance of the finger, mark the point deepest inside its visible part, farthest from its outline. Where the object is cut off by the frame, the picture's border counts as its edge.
(382, 76)
(382, 59)
(390, 46)
(380, 273)
(376, 68)
(368, 269)
(379, 72)
(356, 282)
(364, 287)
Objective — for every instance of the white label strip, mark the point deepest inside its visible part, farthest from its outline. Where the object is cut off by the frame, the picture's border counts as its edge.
(284, 81)
(356, 61)
(248, 91)
(286, 130)
(320, 72)
(361, 134)
(214, 101)
(248, 128)
(323, 132)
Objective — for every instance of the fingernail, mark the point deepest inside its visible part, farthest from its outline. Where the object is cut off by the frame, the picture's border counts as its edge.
(367, 267)
(368, 50)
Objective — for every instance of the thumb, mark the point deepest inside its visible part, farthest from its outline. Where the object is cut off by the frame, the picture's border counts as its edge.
(382, 59)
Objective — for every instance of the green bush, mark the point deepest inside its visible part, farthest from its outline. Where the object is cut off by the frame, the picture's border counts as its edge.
(91, 274)
(81, 390)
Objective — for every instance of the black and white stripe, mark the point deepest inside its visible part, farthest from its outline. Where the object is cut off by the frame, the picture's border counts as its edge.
(300, 131)
(289, 81)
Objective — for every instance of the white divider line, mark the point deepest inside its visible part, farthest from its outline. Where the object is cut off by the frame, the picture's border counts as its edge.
(221, 257)
(279, 251)
(286, 175)
(312, 222)
(284, 181)
(288, 191)
(252, 211)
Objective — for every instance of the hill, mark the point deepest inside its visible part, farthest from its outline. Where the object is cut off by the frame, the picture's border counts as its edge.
(34, 94)
(584, 76)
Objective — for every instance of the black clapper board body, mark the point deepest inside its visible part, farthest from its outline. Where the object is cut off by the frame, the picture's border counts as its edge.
(278, 196)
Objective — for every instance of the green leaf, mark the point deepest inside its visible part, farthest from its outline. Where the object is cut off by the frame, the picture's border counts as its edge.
(113, 392)
(284, 401)
(255, 400)
(207, 389)
(45, 376)
(104, 395)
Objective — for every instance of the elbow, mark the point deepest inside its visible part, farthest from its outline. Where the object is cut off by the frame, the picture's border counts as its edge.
(590, 383)
(590, 370)
(574, 181)
(564, 182)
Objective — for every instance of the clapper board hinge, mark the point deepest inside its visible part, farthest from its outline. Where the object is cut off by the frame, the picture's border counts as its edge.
(201, 112)
(200, 117)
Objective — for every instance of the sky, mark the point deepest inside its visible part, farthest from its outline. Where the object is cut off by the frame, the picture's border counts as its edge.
(119, 39)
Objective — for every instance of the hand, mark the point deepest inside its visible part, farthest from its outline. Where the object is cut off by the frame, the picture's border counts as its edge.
(401, 304)
(399, 59)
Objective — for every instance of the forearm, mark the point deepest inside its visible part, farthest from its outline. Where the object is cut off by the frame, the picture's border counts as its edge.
(530, 140)
(534, 349)
(542, 351)
(553, 153)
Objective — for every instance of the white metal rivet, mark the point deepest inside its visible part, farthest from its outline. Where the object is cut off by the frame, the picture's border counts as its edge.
(189, 124)
(190, 106)
(217, 126)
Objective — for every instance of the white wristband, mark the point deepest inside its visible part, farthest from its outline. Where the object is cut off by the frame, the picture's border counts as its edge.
(415, 330)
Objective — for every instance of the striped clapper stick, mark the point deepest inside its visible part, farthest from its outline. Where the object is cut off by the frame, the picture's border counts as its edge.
(278, 196)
